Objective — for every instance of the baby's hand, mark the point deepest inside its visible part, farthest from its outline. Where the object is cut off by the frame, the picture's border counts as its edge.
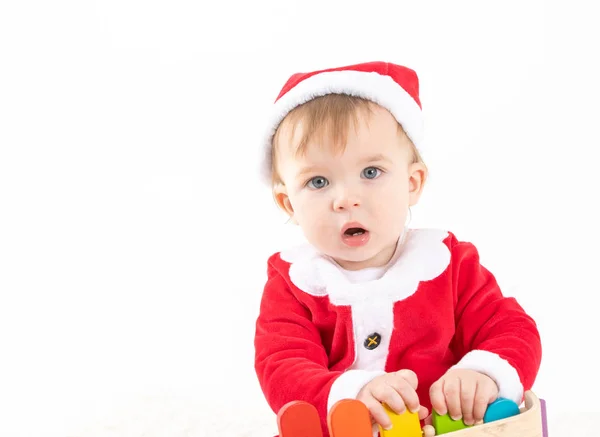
(464, 394)
(397, 390)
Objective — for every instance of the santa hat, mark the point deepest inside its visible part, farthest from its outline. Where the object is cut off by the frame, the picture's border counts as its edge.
(391, 86)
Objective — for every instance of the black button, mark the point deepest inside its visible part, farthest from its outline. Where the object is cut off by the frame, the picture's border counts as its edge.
(372, 341)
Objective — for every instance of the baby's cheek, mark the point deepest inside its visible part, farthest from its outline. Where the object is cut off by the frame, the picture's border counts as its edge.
(393, 214)
(312, 223)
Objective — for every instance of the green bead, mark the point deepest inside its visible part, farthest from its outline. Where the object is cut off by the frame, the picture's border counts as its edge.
(445, 424)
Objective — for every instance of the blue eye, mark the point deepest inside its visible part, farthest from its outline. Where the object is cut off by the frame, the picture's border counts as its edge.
(318, 182)
(371, 172)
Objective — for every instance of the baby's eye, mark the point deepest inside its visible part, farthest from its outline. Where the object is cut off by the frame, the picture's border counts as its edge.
(318, 182)
(371, 172)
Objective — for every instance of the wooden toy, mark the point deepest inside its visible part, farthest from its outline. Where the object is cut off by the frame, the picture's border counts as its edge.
(406, 424)
(299, 419)
(544, 418)
(445, 424)
(350, 418)
(500, 409)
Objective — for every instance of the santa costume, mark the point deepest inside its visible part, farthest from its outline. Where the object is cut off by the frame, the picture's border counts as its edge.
(324, 332)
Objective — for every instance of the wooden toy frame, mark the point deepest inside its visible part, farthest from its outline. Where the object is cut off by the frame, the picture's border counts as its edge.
(350, 418)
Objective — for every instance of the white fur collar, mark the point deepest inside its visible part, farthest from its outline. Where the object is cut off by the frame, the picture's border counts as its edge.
(421, 256)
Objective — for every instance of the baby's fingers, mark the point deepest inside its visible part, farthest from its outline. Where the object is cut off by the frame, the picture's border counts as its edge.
(409, 376)
(390, 396)
(485, 395)
(467, 399)
(405, 389)
(378, 413)
(451, 391)
(438, 400)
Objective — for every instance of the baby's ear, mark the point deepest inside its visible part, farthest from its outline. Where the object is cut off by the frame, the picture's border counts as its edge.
(282, 199)
(417, 174)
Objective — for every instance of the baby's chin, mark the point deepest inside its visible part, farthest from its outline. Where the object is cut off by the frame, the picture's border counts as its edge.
(360, 260)
(363, 257)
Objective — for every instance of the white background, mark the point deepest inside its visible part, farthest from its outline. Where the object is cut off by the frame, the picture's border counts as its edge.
(134, 230)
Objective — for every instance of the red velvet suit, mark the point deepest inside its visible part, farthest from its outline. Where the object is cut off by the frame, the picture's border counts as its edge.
(434, 308)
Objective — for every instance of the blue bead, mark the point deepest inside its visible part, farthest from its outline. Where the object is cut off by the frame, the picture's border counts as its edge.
(500, 409)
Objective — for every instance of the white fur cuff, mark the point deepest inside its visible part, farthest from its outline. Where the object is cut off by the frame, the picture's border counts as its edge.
(497, 368)
(349, 384)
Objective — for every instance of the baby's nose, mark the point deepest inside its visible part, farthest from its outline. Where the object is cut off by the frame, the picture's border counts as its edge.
(345, 202)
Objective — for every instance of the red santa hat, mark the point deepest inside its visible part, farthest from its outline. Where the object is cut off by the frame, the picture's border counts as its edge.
(391, 86)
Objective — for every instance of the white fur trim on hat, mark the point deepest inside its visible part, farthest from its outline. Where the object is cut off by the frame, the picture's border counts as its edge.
(373, 86)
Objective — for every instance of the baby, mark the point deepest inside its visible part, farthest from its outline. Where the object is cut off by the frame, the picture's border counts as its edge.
(369, 309)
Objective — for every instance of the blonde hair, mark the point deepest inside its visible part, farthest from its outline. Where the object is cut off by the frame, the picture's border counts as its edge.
(330, 115)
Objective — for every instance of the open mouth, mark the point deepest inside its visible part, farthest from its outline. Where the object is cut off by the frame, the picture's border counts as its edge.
(354, 235)
(353, 232)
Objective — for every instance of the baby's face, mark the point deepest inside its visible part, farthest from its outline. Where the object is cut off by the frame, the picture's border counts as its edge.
(352, 205)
